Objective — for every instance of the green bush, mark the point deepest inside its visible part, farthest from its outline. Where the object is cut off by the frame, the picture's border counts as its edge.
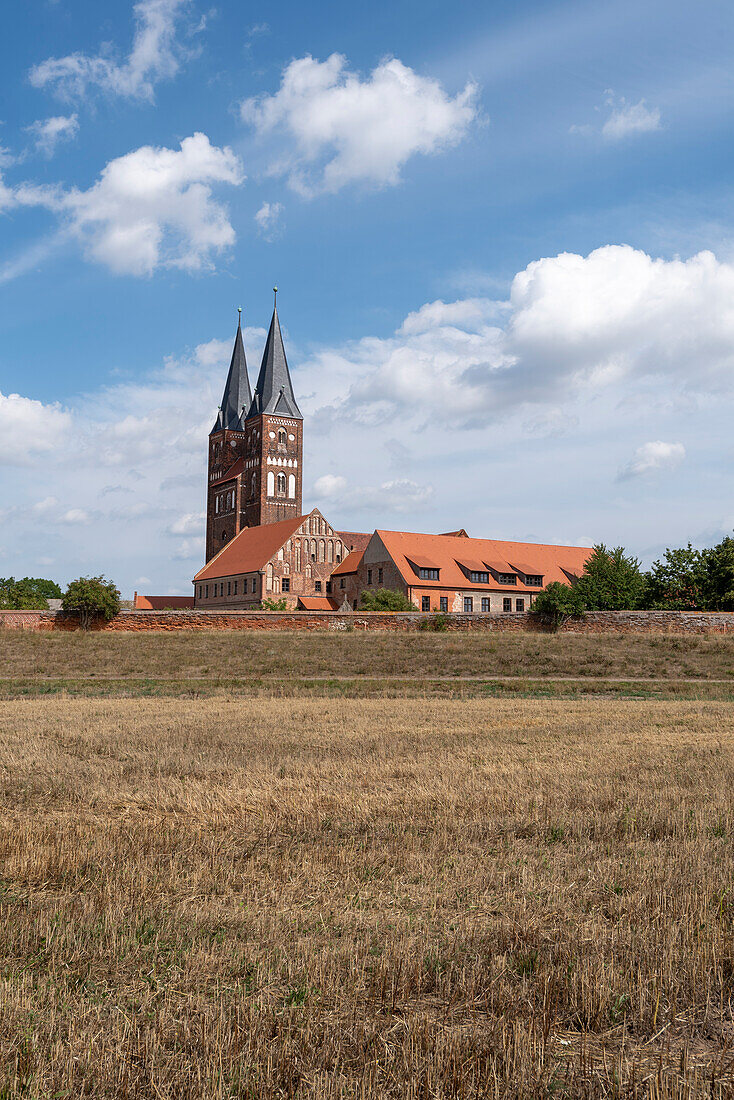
(385, 599)
(438, 622)
(611, 581)
(557, 603)
(92, 598)
(269, 604)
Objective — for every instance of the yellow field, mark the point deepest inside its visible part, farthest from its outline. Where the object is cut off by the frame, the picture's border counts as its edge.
(415, 898)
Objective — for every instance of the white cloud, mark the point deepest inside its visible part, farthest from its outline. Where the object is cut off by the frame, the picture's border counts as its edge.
(190, 524)
(653, 457)
(398, 496)
(341, 129)
(267, 219)
(29, 428)
(49, 132)
(154, 56)
(329, 486)
(74, 517)
(45, 506)
(150, 208)
(630, 118)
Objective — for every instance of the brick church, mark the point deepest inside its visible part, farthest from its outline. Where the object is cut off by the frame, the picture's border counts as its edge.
(260, 545)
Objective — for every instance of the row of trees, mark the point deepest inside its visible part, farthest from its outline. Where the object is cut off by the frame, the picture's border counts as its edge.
(685, 579)
(89, 597)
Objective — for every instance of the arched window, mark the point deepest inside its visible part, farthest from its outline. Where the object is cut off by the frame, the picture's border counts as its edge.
(276, 585)
(271, 483)
(281, 435)
(281, 485)
(291, 486)
(322, 549)
(269, 578)
(297, 557)
(308, 571)
(253, 485)
(306, 549)
(216, 505)
(330, 550)
(280, 554)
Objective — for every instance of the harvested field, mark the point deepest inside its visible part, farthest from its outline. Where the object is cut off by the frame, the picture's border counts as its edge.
(422, 898)
(283, 655)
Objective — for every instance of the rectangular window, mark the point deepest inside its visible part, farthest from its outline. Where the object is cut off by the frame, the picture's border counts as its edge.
(479, 578)
(507, 578)
(285, 585)
(342, 583)
(468, 604)
(443, 603)
(379, 576)
(199, 591)
(428, 574)
(507, 604)
(425, 603)
(229, 588)
(519, 605)
(318, 586)
(485, 604)
(254, 585)
(535, 580)
(328, 588)
(207, 592)
(369, 576)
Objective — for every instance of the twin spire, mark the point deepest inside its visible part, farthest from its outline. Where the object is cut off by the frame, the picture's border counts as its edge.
(273, 391)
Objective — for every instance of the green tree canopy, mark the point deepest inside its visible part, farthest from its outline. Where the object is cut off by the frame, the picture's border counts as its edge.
(385, 599)
(719, 584)
(27, 594)
(679, 581)
(611, 581)
(557, 603)
(92, 598)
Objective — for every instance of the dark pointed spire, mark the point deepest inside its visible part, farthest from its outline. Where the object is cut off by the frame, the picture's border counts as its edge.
(274, 389)
(237, 396)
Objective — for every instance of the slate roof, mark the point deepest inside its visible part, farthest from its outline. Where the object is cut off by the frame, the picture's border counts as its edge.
(237, 396)
(250, 550)
(444, 552)
(274, 389)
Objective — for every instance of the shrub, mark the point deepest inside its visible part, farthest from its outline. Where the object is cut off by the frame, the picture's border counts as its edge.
(92, 598)
(385, 599)
(438, 622)
(269, 604)
(557, 603)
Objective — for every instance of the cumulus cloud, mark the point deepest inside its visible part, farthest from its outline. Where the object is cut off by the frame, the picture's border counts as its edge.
(150, 208)
(399, 495)
(192, 523)
(329, 486)
(29, 428)
(155, 56)
(47, 133)
(651, 458)
(267, 219)
(74, 517)
(339, 128)
(630, 118)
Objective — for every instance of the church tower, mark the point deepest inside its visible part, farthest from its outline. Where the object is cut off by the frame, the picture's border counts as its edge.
(274, 447)
(227, 446)
(255, 446)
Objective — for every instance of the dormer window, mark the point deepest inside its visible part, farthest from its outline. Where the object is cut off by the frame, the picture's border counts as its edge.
(428, 574)
(479, 578)
(507, 578)
(533, 580)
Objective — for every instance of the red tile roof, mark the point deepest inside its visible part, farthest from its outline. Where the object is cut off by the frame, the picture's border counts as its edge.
(355, 540)
(251, 550)
(161, 603)
(317, 603)
(349, 564)
(553, 563)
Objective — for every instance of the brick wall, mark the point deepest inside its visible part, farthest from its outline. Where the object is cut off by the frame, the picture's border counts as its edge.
(596, 622)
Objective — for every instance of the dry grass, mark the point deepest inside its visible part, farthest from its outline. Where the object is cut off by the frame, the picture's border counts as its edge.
(245, 655)
(366, 898)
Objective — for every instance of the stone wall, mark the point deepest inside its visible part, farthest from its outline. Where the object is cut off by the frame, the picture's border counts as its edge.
(595, 622)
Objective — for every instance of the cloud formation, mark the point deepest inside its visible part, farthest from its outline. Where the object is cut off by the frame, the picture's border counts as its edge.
(653, 457)
(47, 133)
(629, 118)
(267, 219)
(150, 208)
(155, 56)
(340, 129)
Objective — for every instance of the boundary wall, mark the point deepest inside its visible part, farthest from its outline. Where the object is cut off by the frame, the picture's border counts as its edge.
(594, 622)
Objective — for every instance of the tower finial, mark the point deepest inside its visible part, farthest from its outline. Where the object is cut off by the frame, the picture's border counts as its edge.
(239, 316)
(275, 297)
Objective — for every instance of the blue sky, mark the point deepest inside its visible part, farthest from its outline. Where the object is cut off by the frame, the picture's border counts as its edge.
(501, 233)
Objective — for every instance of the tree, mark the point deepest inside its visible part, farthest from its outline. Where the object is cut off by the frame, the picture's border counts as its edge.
(385, 599)
(92, 598)
(269, 604)
(719, 584)
(679, 582)
(611, 581)
(557, 603)
(27, 594)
